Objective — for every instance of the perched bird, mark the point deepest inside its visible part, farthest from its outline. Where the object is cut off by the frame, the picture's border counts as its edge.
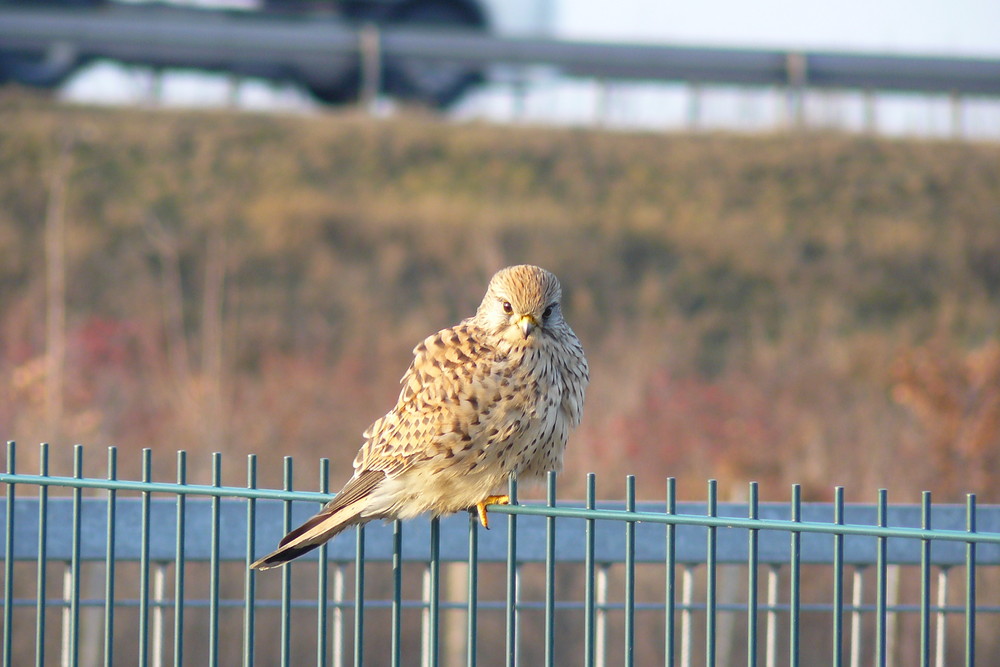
(492, 397)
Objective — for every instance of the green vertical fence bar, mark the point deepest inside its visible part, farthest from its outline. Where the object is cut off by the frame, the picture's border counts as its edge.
(510, 642)
(43, 515)
(8, 559)
(179, 560)
(473, 592)
(630, 573)
(588, 576)
(249, 577)
(213, 565)
(433, 646)
(144, 562)
(711, 575)
(669, 635)
(795, 573)
(838, 579)
(752, 564)
(286, 571)
(550, 571)
(970, 582)
(74, 564)
(880, 581)
(359, 597)
(396, 626)
(322, 577)
(925, 582)
(109, 562)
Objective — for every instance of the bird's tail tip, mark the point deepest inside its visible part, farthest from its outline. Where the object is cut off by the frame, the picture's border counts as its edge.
(280, 557)
(266, 563)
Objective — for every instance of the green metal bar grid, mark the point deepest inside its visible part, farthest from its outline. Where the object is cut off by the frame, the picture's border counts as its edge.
(591, 606)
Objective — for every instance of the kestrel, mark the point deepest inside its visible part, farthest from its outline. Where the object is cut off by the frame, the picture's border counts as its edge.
(493, 397)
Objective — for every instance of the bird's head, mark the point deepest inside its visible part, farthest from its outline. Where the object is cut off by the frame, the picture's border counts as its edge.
(521, 302)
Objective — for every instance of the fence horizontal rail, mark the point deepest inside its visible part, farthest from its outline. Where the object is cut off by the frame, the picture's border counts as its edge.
(691, 521)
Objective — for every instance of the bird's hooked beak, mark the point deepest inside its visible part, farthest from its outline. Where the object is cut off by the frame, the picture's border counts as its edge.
(527, 324)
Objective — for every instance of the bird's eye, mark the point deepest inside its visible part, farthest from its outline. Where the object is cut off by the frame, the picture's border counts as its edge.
(548, 311)
(507, 308)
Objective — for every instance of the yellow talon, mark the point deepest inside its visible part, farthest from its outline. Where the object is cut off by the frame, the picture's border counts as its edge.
(489, 500)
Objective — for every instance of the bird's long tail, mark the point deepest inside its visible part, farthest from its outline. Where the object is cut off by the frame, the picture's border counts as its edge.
(343, 511)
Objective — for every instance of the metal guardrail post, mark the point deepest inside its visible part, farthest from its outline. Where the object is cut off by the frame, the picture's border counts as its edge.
(370, 50)
(957, 116)
(797, 73)
(694, 107)
(870, 111)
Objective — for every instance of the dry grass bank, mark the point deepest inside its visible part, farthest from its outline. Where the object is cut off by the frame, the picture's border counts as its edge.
(811, 308)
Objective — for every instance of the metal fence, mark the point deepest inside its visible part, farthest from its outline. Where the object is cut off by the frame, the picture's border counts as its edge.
(109, 571)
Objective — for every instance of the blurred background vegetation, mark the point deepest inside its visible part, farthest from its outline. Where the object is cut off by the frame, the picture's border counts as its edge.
(812, 308)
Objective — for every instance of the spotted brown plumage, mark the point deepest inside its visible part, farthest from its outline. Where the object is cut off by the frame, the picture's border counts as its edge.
(492, 397)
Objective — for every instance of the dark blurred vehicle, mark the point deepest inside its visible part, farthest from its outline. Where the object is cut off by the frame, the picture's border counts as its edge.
(51, 53)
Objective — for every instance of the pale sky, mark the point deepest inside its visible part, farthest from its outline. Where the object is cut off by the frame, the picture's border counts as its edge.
(939, 27)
